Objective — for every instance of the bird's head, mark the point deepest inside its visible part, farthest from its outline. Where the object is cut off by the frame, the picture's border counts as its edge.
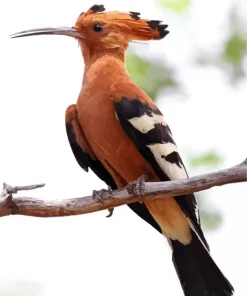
(98, 30)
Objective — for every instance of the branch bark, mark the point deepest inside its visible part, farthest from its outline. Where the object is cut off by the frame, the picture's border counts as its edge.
(30, 206)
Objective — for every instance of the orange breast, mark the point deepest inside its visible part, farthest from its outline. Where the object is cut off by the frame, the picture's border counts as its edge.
(108, 140)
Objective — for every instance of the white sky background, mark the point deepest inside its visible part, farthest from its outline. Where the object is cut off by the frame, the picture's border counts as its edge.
(89, 254)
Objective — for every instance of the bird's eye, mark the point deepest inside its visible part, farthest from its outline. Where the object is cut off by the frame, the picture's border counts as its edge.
(98, 28)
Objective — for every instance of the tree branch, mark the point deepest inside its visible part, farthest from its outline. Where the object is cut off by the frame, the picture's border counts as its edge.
(30, 206)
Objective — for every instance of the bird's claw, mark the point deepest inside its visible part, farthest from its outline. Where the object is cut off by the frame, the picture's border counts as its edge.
(137, 187)
(110, 212)
(102, 195)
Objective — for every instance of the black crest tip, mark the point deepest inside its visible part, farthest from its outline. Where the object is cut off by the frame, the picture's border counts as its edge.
(153, 24)
(162, 31)
(98, 8)
(135, 15)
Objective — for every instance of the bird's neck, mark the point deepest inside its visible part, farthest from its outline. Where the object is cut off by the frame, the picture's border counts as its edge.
(104, 68)
(93, 56)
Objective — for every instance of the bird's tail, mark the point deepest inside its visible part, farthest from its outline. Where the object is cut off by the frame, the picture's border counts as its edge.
(198, 273)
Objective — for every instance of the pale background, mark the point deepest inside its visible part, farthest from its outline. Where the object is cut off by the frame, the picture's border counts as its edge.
(89, 254)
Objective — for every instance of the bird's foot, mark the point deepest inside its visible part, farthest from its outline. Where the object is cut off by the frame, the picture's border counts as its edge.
(137, 187)
(104, 194)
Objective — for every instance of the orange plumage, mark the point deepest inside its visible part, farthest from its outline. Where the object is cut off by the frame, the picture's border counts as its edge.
(116, 130)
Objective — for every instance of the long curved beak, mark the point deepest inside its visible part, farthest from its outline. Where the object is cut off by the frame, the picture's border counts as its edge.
(66, 31)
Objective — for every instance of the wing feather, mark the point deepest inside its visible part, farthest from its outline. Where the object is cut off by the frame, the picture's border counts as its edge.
(145, 125)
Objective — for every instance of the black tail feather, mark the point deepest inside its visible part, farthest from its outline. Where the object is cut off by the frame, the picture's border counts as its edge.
(198, 273)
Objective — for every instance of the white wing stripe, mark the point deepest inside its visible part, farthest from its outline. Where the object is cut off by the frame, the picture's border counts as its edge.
(172, 170)
(146, 123)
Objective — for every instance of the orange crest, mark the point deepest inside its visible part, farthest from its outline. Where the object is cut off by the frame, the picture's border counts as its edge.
(130, 24)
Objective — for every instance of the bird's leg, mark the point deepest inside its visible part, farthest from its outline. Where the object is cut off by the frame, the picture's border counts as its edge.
(137, 187)
(102, 195)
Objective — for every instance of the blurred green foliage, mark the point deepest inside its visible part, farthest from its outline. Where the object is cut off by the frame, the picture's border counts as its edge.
(210, 158)
(175, 5)
(234, 49)
(150, 75)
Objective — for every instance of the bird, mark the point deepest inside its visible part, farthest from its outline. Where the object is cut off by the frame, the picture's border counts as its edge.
(116, 130)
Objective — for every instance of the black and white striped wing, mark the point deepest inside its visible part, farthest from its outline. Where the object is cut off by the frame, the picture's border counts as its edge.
(145, 125)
